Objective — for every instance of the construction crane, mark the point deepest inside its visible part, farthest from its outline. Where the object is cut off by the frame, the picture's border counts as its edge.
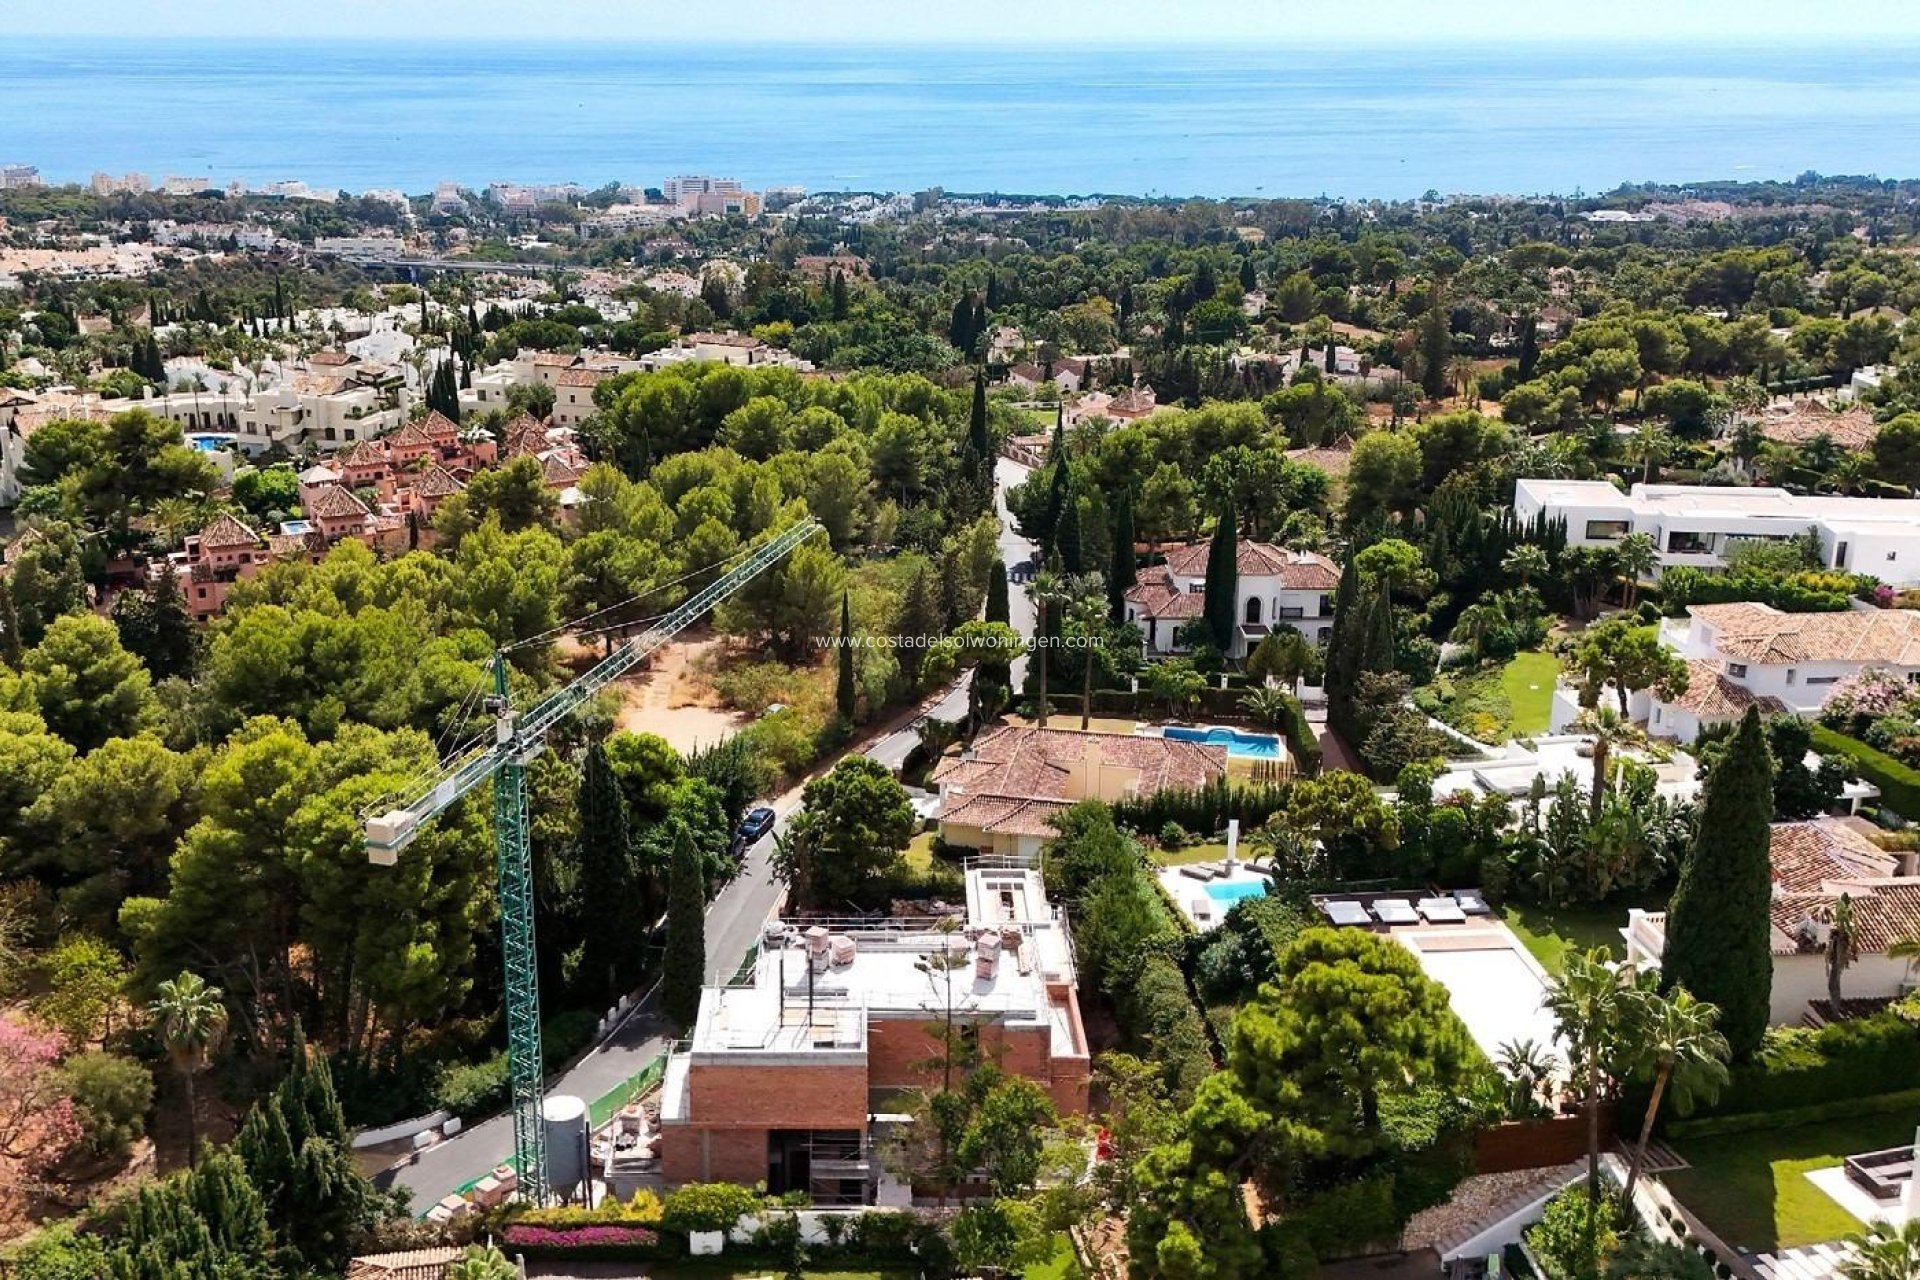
(517, 739)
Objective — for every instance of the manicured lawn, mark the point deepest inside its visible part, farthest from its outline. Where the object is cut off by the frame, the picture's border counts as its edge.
(1528, 683)
(1212, 851)
(1060, 1266)
(1550, 932)
(919, 852)
(1752, 1189)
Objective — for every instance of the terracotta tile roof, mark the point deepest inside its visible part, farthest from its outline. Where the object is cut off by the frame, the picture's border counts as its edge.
(13, 550)
(1297, 570)
(436, 482)
(555, 359)
(228, 531)
(365, 455)
(334, 502)
(523, 434)
(1805, 855)
(409, 436)
(316, 384)
(1852, 428)
(330, 359)
(742, 340)
(1005, 815)
(408, 1264)
(1712, 695)
(438, 427)
(1885, 910)
(558, 471)
(1749, 632)
(1019, 763)
(1136, 400)
(293, 544)
(1158, 597)
(581, 377)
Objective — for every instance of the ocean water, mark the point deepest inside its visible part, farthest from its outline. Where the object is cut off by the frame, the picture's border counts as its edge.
(1391, 121)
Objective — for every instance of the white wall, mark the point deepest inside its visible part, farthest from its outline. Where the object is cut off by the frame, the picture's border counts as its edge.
(1800, 978)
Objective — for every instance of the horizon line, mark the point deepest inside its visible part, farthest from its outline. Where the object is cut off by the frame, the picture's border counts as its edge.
(1270, 41)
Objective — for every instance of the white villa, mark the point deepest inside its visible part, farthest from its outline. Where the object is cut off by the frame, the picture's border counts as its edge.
(1696, 526)
(1814, 863)
(1739, 655)
(1276, 587)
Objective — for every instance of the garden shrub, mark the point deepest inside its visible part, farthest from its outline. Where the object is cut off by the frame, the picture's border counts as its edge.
(1899, 783)
(1841, 1062)
(1302, 742)
(709, 1206)
(473, 1088)
(110, 1096)
(1568, 1240)
(1349, 1219)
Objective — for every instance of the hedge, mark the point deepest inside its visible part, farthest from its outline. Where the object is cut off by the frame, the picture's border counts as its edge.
(1204, 810)
(1842, 1062)
(1907, 1100)
(1302, 741)
(1899, 783)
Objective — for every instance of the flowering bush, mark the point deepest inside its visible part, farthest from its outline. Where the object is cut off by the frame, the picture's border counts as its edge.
(642, 1210)
(525, 1235)
(1866, 696)
(37, 1123)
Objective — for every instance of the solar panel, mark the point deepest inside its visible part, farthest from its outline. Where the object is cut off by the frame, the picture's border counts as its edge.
(1395, 911)
(1345, 913)
(1442, 911)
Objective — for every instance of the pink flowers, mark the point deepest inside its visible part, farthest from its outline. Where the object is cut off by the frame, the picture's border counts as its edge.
(1873, 693)
(37, 1124)
(580, 1237)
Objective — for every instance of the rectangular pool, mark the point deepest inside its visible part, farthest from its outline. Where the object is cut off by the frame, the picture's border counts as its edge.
(1257, 746)
(1235, 890)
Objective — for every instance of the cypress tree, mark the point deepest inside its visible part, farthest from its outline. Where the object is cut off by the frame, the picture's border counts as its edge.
(1059, 494)
(919, 623)
(1124, 571)
(1529, 348)
(977, 434)
(845, 690)
(607, 874)
(1376, 638)
(1069, 537)
(839, 295)
(11, 646)
(997, 609)
(1249, 276)
(1223, 579)
(686, 957)
(1717, 924)
(1338, 678)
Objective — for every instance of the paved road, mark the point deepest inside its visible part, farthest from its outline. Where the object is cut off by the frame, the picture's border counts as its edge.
(893, 749)
(734, 920)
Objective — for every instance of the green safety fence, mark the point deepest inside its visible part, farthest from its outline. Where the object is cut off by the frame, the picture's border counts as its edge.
(601, 1110)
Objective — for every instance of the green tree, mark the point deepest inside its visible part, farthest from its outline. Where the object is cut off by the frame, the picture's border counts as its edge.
(1124, 571)
(1630, 657)
(1221, 606)
(918, 624)
(1681, 1044)
(1348, 1018)
(1525, 561)
(88, 687)
(1638, 558)
(1717, 923)
(191, 1020)
(854, 823)
(1086, 612)
(483, 1262)
(607, 874)
(1842, 949)
(155, 627)
(683, 971)
(1006, 1133)
(111, 1096)
(517, 493)
(845, 690)
(84, 978)
(11, 645)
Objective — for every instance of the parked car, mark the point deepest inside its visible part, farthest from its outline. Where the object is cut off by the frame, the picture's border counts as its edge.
(756, 824)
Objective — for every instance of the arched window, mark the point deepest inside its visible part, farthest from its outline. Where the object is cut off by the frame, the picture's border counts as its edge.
(1253, 608)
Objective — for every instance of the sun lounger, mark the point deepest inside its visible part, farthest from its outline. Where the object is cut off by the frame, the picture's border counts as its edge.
(1345, 914)
(1471, 902)
(1442, 911)
(1395, 911)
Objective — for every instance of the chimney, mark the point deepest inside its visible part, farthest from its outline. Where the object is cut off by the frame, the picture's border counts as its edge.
(817, 955)
(986, 956)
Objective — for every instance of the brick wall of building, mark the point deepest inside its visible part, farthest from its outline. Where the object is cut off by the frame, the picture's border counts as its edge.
(900, 1049)
(827, 1096)
(690, 1154)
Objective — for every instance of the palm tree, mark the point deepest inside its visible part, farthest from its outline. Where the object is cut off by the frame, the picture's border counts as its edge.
(1476, 624)
(1609, 729)
(190, 1019)
(1528, 1067)
(1908, 949)
(1524, 560)
(1681, 1043)
(1268, 705)
(1885, 1252)
(1637, 555)
(483, 1262)
(1653, 445)
(1843, 948)
(1593, 1012)
(1461, 373)
(1087, 609)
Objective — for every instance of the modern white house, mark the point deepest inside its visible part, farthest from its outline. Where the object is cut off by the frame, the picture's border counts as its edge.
(1276, 587)
(1814, 864)
(1742, 654)
(1696, 525)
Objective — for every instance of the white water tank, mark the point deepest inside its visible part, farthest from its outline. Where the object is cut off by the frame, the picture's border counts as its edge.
(563, 1117)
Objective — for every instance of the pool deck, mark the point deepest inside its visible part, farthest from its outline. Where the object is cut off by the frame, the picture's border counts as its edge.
(1199, 906)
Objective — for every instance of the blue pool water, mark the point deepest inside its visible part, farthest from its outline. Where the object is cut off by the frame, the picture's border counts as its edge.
(1237, 890)
(207, 444)
(1263, 746)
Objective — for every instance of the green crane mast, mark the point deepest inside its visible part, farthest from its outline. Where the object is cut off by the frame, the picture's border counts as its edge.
(517, 739)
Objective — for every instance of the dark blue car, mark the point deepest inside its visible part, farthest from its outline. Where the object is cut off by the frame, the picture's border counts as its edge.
(756, 824)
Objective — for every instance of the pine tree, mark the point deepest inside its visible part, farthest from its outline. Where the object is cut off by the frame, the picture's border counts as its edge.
(12, 647)
(1124, 571)
(608, 873)
(1059, 495)
(686, 959)
(1221, 609)
(846, 691)
(154, 626)
(997, 608)
(1717, 923)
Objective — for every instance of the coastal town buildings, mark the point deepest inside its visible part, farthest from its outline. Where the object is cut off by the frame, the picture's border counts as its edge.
(1697, 526)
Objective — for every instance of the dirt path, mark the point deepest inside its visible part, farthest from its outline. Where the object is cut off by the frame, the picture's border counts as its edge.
(669, 699)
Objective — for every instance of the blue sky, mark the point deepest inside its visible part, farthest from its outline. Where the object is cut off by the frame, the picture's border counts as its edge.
(1056, 23)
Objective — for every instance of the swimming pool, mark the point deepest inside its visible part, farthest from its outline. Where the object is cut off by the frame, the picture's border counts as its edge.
(208, 444)
(1260, 746)
(1235, 890)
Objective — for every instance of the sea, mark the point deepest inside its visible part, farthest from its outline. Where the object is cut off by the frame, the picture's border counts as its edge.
(1059, 116)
